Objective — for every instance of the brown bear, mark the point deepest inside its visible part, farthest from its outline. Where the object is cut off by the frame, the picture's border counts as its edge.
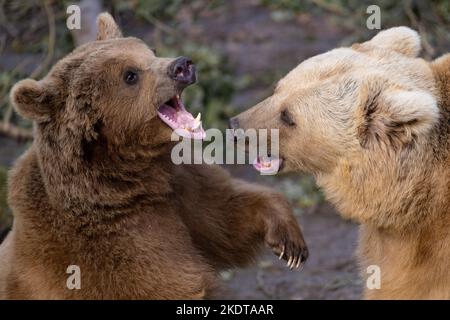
(97, 195)
(372, 124)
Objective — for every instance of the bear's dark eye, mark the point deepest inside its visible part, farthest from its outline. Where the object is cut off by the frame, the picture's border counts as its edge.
(286, 118)
(130, 77)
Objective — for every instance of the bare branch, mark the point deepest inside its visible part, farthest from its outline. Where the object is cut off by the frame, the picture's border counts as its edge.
(14, 132)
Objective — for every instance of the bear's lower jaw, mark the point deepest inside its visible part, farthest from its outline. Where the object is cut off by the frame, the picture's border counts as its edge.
(174, 114)
(267, 165)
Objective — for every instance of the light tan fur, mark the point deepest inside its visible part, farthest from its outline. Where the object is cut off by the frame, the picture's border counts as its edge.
(371, 123)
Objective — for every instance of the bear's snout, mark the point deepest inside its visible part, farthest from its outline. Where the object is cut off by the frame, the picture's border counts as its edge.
(183, 71)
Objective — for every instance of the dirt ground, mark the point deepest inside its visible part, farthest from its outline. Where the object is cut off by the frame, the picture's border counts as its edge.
(257, 45)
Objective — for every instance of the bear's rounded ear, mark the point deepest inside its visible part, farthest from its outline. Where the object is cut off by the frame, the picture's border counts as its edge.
(107, 27)
(402, 40)
(396, 116)
(33, 100)
(417, 109)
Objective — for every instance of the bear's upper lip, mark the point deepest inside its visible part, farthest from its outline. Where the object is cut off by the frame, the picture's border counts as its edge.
(175, 115)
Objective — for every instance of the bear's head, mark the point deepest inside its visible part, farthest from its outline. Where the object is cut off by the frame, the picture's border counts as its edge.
(370, 122)
(103, 119)
(375, 100)
(109, 95)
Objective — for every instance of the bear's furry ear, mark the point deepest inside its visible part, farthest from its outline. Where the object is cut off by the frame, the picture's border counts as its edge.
(397, 117)
(402, 40)
(33, 100)
(107, 27)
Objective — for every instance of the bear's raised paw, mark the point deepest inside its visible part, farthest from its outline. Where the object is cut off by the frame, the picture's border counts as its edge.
(286, 241)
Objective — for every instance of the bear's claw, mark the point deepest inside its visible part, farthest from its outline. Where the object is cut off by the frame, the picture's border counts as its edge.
(294, 254)
(283, 234)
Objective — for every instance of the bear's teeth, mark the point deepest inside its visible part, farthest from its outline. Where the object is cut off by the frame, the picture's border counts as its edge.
(267, 164)
(197, 122)
(169, 118)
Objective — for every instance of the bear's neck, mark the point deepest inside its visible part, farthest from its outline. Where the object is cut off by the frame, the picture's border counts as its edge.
(105, 186)
(380, 194)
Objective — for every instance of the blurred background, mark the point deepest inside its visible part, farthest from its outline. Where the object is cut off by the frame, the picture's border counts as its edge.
(241, 49)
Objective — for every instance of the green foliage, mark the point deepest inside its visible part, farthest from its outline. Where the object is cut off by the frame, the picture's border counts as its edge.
(26, 33)
(430, 18)
(290, 5)
(149, 9)
(162, 9)
(302, 192)
(7, 79)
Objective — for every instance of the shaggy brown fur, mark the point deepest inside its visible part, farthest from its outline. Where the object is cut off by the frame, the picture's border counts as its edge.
(98, 189)
(371, 123)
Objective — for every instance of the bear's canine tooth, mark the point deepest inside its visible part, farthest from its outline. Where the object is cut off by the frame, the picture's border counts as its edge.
(197, 122)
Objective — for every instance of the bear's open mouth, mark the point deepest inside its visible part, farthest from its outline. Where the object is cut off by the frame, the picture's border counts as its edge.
(267, 165)
(174, 114)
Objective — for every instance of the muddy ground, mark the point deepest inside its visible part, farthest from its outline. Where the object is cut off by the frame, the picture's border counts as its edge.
(258, 45)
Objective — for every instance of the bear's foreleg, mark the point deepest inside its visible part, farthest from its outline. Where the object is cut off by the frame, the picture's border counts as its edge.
(230, 219)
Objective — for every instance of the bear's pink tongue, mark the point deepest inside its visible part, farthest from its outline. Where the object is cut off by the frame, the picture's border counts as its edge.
(267, 165)
(174, 114)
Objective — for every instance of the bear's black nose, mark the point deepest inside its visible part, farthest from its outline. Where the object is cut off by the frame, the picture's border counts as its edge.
(182, 70)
